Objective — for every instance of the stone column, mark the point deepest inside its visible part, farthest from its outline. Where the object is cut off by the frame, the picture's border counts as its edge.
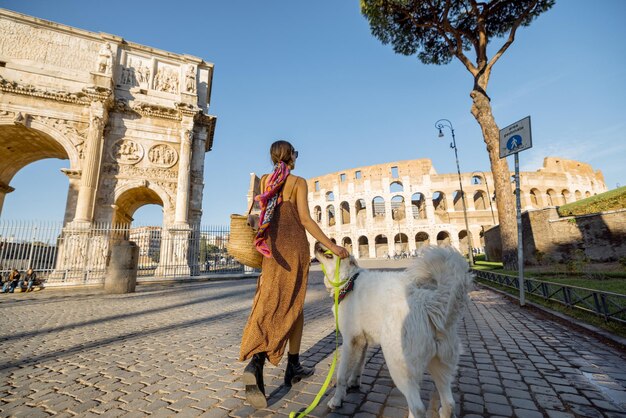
(72, 193)
(4, 189)
(197, 171)
(430, 209)
(91, 164)
(184, 176)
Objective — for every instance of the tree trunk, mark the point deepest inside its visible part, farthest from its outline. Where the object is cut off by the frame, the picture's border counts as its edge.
(481, 109)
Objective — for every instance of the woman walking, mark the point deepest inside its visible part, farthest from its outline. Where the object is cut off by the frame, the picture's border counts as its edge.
(277, 309)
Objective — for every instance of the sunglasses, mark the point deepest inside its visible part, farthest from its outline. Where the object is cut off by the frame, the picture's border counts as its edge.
(295, 154)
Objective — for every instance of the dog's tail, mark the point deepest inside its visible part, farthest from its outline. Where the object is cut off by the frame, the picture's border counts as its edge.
(446, 271)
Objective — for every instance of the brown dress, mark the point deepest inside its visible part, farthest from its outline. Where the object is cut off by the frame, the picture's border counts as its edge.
(279, 298)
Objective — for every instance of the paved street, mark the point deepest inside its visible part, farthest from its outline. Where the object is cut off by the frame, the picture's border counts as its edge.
(171, 349)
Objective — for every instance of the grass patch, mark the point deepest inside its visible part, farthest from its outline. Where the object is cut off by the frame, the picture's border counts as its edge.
(611, 200)
(607, 281)
(586, 317)
(606, 285)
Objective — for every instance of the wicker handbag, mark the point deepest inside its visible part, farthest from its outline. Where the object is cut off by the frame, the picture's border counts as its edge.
(241, 241)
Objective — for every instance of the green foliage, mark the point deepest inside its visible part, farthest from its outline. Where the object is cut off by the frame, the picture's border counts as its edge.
(438, 30)
(611, 200)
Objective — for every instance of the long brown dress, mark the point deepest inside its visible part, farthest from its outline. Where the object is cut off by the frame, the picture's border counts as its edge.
(279, 298)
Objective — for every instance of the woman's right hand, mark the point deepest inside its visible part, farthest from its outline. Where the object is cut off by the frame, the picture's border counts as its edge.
(340, 251)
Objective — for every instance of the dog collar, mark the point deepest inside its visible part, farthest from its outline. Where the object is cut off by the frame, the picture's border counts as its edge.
(348, 287)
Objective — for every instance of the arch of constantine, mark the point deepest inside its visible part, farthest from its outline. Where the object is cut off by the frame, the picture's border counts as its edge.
(397, 207)
(131, 120)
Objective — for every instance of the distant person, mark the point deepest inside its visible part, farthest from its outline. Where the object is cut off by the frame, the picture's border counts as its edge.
(277, 315)
(31, 279)
(11, 282)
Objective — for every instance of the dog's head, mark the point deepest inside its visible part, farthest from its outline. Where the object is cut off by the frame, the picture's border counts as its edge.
(347, 266)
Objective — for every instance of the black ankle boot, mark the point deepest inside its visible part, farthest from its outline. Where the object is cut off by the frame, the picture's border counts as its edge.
(295, 371)
(253, 379)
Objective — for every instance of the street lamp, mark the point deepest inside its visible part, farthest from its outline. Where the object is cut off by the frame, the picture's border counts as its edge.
(396, 214)
(493, 217)
(445, 123)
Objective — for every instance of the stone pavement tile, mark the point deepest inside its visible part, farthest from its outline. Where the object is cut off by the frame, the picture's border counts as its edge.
(480, 400)
(376, 397)
(575, 399)
(525, 413)
(523, 404)
(607, 406)
(371, 407)
(470, 407)
(558, 414)
(564, 389)
(391, 412)
(494, 398)
(492, 389)
(365, 415)
(499, 409)
(396, 401)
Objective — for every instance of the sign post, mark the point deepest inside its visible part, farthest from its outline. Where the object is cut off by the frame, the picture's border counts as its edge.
(513, 139)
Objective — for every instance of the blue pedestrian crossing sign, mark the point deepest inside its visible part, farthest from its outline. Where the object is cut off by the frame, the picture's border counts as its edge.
(515, 137)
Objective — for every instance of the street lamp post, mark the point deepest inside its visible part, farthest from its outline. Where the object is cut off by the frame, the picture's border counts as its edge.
(493, 217)
(440, 124)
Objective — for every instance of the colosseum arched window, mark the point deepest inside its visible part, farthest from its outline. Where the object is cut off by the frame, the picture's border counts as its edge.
(378, 208)
(480, 200)
(397, 208)
(535, 198)
(578, 195)
(364, 248)
(317, 214)
(381, 245)
(421, 239)
(330, 197)
(552, 200)
(418, 206)
(439, 202)
(587, 194)
(344, 209)
(346, 242)
(443, 239)
(330, 215)
(476, 179)
(396, 187)
(457, 200)
(463, 238)
(565, 196)
(401, 243)
(360, 212)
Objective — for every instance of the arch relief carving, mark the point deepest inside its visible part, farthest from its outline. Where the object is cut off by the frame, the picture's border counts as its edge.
(162, 155)
(127, 151)
(126, 171)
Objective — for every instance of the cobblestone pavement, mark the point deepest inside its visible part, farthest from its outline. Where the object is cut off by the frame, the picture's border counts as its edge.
(171, 349)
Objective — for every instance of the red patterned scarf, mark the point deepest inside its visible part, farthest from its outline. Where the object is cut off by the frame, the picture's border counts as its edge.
(269, 199)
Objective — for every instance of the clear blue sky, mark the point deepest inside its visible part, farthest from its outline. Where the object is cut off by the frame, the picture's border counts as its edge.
(312, 73)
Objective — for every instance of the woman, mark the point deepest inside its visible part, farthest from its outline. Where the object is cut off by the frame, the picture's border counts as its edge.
(277, 309)
(11, 282)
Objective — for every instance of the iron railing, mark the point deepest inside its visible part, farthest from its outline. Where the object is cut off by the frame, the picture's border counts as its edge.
(78, 253)
(608, 305)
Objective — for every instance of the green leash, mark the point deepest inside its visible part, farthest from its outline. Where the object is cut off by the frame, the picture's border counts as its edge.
(336, 284)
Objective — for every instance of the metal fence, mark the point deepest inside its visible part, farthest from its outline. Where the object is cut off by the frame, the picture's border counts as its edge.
(79, 253)
(608, 305)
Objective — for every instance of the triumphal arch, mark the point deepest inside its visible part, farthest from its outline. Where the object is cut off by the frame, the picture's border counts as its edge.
(131, 120)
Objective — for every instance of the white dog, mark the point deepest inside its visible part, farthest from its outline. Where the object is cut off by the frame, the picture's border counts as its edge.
(413, 314)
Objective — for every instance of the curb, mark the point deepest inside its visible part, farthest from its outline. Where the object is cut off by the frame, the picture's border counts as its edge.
(189, 279)
(613, 340)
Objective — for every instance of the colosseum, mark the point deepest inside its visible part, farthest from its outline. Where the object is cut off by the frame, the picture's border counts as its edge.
(395, 208)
